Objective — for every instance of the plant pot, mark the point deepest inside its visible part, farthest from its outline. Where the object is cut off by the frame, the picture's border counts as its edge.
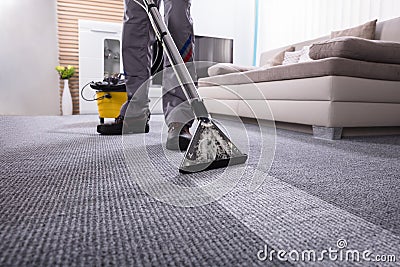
(66, 99)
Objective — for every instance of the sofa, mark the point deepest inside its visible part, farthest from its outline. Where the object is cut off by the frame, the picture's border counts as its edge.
(342, 93)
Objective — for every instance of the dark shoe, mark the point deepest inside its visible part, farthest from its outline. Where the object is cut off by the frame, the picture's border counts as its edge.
(114, 128)
(178, 136)
(132, 125)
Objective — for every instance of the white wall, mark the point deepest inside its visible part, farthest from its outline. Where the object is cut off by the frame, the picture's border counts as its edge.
(227, 18)
(283, 22)
(28, 80)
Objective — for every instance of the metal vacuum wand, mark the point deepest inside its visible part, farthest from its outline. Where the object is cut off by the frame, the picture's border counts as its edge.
(209, 148)
(175, 58)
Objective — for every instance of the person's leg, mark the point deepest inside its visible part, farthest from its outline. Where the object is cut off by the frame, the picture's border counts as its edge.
(179, 22)
(137, 37)
(136, 41)
(177, 112)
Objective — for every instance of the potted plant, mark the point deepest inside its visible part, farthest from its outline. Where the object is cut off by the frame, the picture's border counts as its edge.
(65, 74)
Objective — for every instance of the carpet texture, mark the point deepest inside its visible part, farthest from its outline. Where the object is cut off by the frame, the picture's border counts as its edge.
(71, 197)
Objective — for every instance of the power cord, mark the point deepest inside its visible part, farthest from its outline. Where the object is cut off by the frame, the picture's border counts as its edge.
(142, 5)
(159, 44)
(107, 95)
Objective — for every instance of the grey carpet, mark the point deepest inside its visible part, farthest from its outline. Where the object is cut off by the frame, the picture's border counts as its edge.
(67, 197)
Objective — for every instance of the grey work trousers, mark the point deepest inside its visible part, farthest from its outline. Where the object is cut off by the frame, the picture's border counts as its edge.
(137, 38)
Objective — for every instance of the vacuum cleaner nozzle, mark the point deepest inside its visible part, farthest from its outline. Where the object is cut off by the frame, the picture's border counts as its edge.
(210, 149)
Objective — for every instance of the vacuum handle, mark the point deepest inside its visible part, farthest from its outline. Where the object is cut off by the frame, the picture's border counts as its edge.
(182, 74)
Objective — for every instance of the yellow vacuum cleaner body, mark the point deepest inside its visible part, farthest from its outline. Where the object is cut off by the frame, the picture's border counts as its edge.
(110, 96)
(109, 103)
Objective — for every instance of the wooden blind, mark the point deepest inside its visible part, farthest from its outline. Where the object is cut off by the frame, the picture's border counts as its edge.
(68, 14)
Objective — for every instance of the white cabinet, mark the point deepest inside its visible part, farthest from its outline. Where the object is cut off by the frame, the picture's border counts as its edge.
(99, 52)
(92, 36)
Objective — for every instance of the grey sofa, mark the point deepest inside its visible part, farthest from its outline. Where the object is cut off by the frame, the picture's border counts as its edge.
(326, 95)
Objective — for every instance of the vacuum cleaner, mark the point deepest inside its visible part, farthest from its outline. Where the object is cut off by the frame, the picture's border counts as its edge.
(110, 95)
(111, 92)
(209, 148)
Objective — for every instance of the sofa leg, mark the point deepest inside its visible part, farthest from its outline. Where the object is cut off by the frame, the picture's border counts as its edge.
(327, 133)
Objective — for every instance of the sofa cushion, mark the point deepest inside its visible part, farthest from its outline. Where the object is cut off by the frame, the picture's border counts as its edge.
(292, 57)
(305, 54)
(225, 68)
(278, 58)
(357, 48)
(366, 31)
(317, 68)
